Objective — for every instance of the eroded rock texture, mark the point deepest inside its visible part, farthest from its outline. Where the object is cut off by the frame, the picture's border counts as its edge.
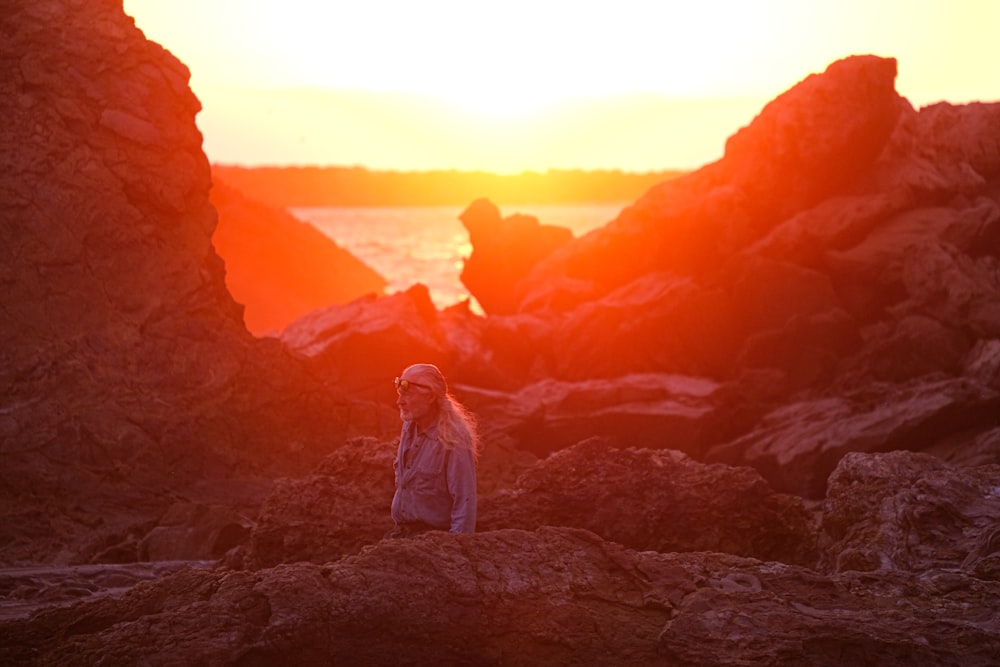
(553, 596)
(752, 420)
(127, 373)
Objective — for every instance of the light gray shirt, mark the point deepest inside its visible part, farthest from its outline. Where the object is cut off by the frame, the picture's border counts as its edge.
(434, 485)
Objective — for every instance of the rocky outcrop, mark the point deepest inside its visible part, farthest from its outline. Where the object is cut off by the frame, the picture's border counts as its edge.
(281, 268)
(793, 317)
(656, 501)
(906, 511)
(564, 595)
(127, 373)
(504, 251)
(650, 500)
(798, 445)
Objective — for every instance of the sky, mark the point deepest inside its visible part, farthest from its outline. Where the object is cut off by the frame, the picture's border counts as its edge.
(515, 85)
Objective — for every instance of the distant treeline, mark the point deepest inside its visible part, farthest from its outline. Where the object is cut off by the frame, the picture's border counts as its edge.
(357, 186)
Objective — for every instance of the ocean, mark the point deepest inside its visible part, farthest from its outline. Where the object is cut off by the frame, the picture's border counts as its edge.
(429, 244)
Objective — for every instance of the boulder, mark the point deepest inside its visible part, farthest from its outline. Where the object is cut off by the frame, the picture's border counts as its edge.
(503, 252)
(369, 341)
(909, 511)
(650, 410)
(656, 500)
(335, 511)
(657, 323)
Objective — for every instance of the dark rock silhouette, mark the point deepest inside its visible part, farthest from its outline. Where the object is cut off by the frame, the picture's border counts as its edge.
(504, 251)
(789, 357)
(281, 268)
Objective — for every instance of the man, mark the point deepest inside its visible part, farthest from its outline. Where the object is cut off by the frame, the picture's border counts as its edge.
(436, 463)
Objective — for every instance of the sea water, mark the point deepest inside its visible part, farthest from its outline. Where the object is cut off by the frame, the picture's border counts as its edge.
(429, 244)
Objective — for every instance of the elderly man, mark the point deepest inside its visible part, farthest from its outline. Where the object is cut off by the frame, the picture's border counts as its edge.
(436, 462)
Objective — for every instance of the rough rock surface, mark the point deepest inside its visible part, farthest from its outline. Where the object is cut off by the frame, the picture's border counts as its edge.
(281, 268)
(817, 302)
(657, 500)
(907, 511)
(554, 596)
(128, 376)
(798, 445)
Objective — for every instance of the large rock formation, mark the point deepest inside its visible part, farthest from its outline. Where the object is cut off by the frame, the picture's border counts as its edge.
(812, 305)
(555, 596)
(281, 268)
(127, 373)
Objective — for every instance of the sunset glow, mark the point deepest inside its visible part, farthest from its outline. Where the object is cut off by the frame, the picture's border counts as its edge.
(635, 85)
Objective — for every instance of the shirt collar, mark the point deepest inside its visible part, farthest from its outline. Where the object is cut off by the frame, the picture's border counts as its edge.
(410, 428)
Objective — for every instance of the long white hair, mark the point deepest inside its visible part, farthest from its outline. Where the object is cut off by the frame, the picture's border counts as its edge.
(456, 425)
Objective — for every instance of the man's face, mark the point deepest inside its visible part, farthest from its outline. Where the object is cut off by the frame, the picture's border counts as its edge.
(415, 399)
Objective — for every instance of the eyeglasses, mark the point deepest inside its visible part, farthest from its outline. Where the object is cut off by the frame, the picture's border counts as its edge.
(404, 385)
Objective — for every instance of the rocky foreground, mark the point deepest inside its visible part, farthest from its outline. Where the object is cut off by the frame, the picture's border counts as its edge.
(751, 421)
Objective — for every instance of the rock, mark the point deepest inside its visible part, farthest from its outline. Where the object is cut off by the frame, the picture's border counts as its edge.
(811, 141)
(370, 340)
(26, 590)
(653, 500)
(504, 251)
(658, 323)
(128, 373)
(826, 290)
(337, 510)
(800, 150)
(554, 596)
(192, 531)
(281, 268)
(909, 511)
(915, 346)
(959, 290)
(942, 151)
(807, 349)
(798, 445)
(649, 410)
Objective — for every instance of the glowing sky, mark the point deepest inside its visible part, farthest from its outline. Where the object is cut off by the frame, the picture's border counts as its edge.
(512, 85)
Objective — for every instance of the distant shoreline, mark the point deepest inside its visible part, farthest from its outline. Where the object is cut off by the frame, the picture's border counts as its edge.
(358, 186)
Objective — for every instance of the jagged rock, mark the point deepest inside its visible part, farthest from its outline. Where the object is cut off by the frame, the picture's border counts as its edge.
(653, 410)
(656, 501)
(910, 511)
(504, 251)
(281, 268)
(798, 445)
(958, 290)
(25, 590)
(128, 374)
(342, 507)
(132, 386)
(645, 499)
(914, 346)
(660, 323)
(800, 150)
(370, 340)
(554, 596)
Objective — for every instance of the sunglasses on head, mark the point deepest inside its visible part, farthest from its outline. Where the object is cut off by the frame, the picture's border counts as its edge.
(404, 385)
